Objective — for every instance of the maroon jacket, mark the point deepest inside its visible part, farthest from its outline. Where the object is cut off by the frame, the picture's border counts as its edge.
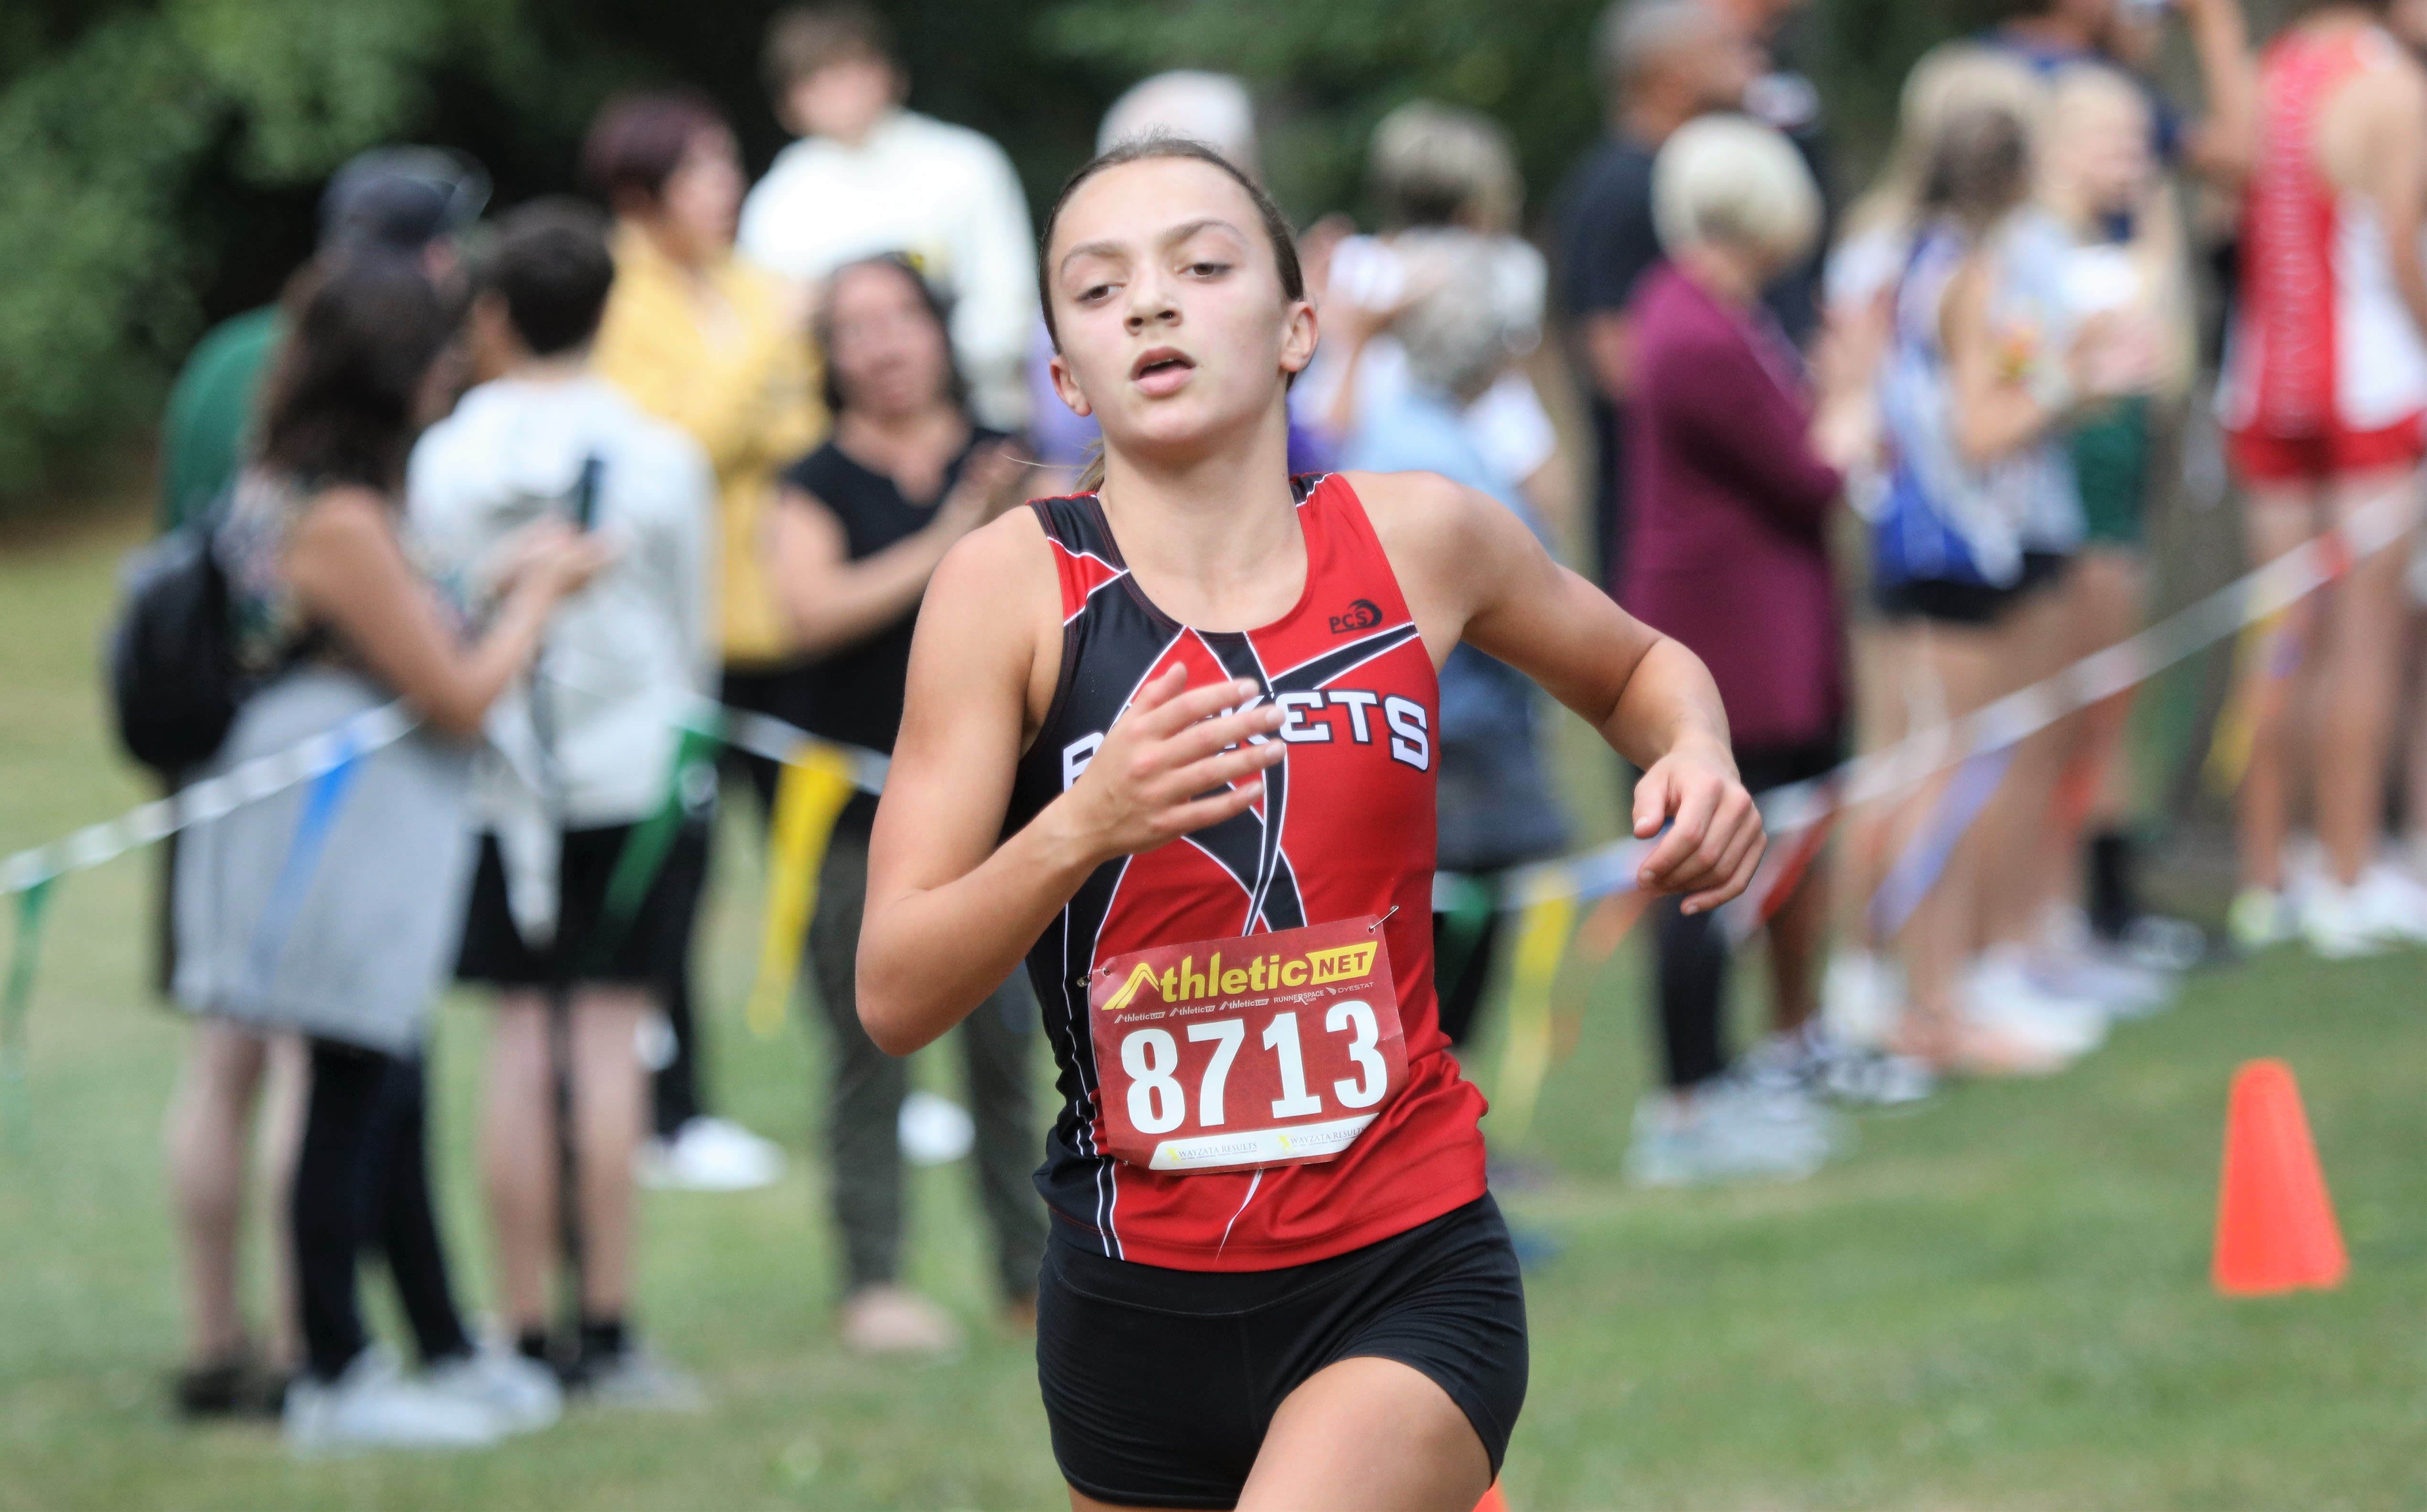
(1727, 550)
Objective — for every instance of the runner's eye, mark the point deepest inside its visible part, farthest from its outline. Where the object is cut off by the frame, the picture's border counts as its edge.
(1096, 293)
(1208, 269)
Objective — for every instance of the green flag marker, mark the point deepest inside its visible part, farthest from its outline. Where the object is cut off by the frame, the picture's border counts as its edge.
(13, 999)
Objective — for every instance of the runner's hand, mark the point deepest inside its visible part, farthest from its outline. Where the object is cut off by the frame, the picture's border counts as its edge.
(1173, 764)
(1715, 838)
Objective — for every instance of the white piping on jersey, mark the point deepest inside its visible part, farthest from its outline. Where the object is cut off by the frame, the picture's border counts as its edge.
(1268, 854)
(1107, 1204)
(1242, 1207)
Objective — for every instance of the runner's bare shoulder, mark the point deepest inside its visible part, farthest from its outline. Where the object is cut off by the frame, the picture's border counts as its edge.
(994, 603)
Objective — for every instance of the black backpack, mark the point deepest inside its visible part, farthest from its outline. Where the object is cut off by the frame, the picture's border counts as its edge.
(172, 671)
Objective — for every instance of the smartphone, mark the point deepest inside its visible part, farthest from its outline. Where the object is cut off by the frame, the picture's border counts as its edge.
(585, 492)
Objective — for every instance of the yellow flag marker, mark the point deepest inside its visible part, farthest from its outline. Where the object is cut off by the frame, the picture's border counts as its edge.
(1541, 943)
(809, 795)
(2270, 647)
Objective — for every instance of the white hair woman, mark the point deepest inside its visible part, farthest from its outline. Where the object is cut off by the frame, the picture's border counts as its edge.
(1732, 481)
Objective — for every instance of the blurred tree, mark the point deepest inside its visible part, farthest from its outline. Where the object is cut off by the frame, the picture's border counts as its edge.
(165, 157)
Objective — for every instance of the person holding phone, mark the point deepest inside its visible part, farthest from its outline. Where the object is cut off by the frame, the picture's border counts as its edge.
(566, 902)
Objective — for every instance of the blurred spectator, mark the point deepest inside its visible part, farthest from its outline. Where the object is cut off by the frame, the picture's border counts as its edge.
(2100, 185)
(1732, 476)
(1781, 97)
(1987, 373)
(2322, 398)
(2049, 36)
(1662, 63)
(329, 911)
(1435, 168)
(557, 915)
(1213, 109)
(410, 201)
(695, 335)
(869, 176)
(1456, 340)
(862, 522)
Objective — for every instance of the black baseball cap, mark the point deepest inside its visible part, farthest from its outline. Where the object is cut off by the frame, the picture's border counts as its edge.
(401, 199)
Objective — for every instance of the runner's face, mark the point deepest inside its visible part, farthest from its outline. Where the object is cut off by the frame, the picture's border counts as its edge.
(1167, 301)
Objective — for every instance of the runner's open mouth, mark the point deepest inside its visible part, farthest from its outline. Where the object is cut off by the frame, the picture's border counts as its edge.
(1163, 359)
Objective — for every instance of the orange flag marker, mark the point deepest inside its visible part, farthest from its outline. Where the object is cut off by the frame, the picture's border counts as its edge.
(2275, 1229)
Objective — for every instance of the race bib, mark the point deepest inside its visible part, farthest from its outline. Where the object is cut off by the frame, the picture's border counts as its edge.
(1272, 1050)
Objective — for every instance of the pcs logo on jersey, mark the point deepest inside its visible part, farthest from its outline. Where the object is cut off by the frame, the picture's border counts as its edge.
(1360, 614)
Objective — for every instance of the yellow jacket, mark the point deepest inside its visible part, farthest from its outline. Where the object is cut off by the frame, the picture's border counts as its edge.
(720, 362)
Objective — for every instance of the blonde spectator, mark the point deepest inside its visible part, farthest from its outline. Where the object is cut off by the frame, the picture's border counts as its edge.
(1437, 168)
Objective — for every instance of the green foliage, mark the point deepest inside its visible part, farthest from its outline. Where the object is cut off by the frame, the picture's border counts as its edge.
(103, 136)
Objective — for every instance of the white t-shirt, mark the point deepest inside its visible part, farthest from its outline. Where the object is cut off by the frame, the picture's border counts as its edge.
(946, 195)
(631, 655)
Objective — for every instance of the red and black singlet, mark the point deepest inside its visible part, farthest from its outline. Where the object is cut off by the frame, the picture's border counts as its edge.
(1344, 829)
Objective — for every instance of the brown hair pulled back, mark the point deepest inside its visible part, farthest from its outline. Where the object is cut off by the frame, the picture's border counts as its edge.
(1150, 148)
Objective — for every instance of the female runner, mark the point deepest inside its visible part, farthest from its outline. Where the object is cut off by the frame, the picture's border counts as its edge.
(1188, 715)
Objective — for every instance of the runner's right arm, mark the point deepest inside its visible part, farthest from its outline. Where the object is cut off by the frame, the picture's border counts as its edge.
(950, 912)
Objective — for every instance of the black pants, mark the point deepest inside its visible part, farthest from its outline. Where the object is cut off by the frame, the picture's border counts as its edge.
(1464, 952)
(863, 1115)
(674, 1089)
(362, 1183)
(1693, 950)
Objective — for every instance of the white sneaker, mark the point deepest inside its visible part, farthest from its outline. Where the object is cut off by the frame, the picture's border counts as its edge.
(521, 1395)
(2340, 924)
(373, 1406)
(1722, 1132)
(637, 1380)
(1862, 998)
(2393, 902)
(2260, 918)
(2003, 998)
(2118, 987)
(710, 1155)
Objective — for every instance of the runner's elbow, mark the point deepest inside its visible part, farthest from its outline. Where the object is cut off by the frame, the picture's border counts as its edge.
(888, 1006)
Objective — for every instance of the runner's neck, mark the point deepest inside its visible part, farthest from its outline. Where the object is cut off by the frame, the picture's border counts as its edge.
(1213, 540)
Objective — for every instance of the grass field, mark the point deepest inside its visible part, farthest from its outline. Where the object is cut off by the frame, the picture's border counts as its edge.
(2000, 1302)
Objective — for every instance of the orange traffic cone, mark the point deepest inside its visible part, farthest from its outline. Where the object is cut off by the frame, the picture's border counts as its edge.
(2275, 1229)
(1492, 1500)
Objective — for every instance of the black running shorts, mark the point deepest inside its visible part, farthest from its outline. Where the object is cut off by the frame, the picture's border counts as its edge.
(645, 950)
(1159, 1384)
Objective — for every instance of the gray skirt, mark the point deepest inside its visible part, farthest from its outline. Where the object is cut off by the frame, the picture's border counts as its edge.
(331, 908)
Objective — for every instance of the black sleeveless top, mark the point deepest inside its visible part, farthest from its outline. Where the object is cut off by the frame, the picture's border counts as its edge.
(855, 694)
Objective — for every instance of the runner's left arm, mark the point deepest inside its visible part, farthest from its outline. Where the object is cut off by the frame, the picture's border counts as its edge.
(1472, 571)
